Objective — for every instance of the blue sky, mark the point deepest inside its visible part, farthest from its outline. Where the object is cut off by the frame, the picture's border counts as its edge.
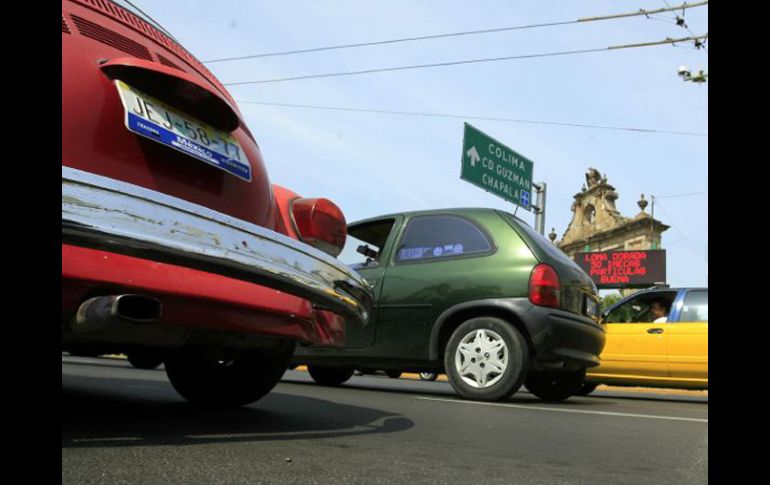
(372, 164)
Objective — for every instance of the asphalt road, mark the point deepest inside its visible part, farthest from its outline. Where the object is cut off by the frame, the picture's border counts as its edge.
(123, 425)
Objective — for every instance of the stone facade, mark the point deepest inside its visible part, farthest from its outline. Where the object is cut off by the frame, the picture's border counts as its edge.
(598, 226)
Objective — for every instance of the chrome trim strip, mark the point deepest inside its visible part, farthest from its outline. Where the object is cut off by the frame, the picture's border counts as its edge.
(103, 213)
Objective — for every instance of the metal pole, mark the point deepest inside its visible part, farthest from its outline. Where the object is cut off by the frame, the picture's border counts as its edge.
(652, 221)
(540, 208)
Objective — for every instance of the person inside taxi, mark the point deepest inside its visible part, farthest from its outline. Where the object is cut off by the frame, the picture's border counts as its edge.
(659, 310)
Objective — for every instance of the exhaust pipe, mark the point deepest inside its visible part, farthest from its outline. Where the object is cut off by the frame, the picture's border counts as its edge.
(106, 312)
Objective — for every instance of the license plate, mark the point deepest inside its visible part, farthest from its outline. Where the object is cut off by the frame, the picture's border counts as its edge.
(152, 118)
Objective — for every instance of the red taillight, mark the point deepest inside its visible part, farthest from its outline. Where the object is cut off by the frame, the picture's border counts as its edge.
(320, 223)
(544, 286)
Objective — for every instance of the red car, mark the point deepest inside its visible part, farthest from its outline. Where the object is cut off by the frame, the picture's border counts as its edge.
(175, 245)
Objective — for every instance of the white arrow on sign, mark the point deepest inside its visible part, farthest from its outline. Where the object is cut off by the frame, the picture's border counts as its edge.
(473, 154)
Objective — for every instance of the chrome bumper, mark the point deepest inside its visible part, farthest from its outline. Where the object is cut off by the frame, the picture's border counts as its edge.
(103, 213)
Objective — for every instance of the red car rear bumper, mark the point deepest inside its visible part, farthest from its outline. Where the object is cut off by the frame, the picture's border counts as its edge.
(197, 299)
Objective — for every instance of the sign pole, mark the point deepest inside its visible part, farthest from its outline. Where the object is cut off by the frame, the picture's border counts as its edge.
(539, 208)
(652, 222)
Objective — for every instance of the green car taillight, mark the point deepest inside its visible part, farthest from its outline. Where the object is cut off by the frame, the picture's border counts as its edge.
(544, 286)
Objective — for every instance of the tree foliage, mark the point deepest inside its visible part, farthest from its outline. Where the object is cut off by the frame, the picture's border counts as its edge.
(609, 300)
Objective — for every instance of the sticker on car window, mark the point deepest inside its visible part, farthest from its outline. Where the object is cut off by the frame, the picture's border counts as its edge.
(411, 253)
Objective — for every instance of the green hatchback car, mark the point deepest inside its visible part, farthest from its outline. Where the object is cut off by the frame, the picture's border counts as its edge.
(475, 294)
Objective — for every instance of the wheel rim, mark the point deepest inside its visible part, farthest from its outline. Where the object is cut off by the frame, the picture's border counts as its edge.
(481, 358)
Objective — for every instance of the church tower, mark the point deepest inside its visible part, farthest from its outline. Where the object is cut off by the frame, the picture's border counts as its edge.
(598, 226)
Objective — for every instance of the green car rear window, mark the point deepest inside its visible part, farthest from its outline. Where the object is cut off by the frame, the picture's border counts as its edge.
(438, 237)
(536, 239)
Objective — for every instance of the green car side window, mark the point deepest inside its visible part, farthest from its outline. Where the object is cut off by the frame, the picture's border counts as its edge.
(364, 243)
(440, 237)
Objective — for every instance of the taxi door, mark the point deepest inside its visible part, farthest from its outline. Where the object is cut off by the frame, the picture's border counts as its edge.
(633, 349)
(688, 338)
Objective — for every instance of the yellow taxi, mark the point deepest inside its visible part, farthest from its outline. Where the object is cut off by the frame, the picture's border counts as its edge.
(655, 338)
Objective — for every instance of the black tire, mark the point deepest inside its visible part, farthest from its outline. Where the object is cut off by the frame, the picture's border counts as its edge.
(241, 379)
(428, 376)
(329, 376)
(393, 374)
(146, 361)
(587, 388)
(555, 386)
(516, 353)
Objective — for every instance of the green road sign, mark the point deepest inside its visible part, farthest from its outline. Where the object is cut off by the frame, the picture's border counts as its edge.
(496, 168)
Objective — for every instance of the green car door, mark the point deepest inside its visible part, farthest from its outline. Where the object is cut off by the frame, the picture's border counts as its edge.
(371, 241)
(441, 260)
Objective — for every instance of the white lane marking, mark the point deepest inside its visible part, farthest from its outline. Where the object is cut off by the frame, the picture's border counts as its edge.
(578, 411)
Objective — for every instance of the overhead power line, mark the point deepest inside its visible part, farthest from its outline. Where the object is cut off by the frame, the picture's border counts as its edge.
(390, 41)
(681, 23)
(470, 61)
(687, 236)
(644, 12)
(681, 195)
(457, 34)
(682, 236)
(469, 117)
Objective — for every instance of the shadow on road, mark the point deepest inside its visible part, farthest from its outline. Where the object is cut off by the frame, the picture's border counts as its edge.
(101, 412)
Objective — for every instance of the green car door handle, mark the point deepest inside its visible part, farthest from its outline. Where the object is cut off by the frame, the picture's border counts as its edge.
(655, 330)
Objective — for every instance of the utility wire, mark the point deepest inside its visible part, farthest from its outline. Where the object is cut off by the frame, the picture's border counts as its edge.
(682, 236)
(469, 61)
(688, 236)
(391, 41)
(680, 22)
(681, 195)
(456, 34)
(690, 47)
(468, 117)
(666, 20)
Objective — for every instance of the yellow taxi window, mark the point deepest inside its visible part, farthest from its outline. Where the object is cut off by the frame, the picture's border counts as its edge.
(639, 309)
(695, 307)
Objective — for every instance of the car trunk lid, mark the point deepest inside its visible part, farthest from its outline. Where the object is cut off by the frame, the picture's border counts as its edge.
(578, 293)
